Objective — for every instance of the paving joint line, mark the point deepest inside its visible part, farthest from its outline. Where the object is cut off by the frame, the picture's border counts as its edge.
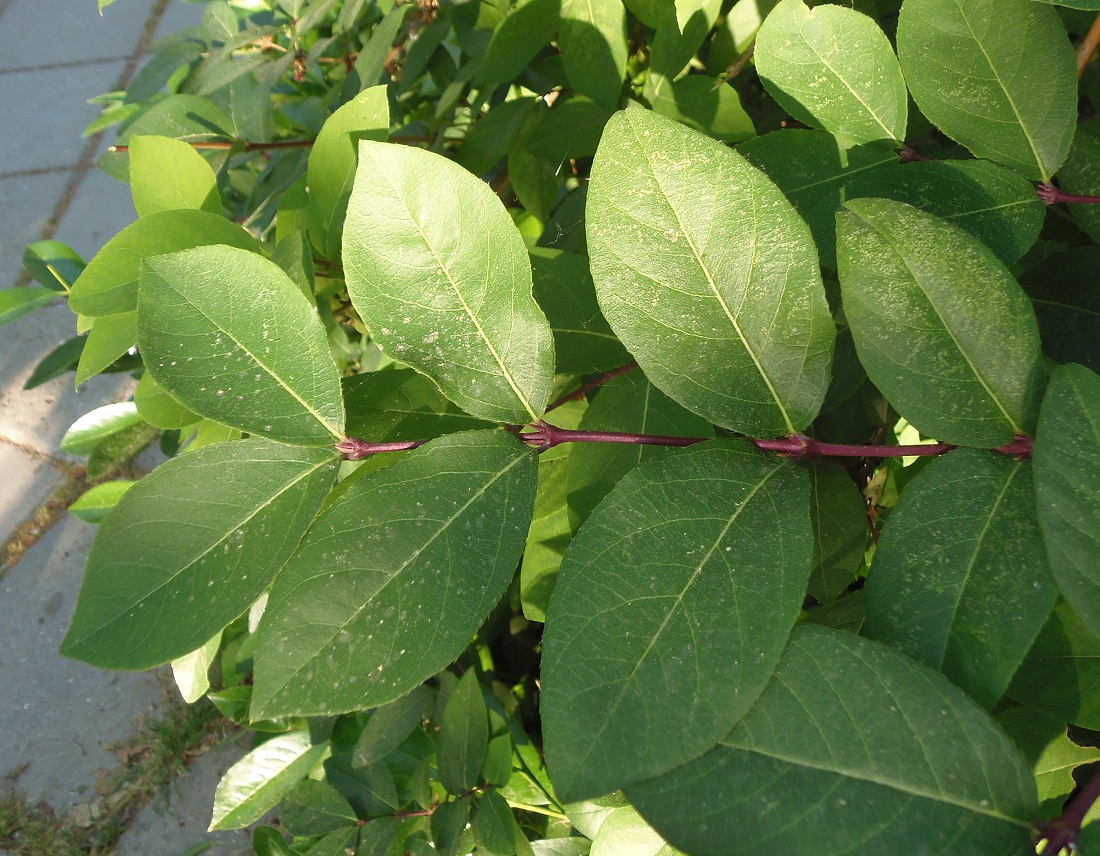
(76, 63)
(40, 170)
(87, 156)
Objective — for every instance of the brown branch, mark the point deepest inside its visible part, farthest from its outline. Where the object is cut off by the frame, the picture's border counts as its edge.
(738, 65)
(1088, 47)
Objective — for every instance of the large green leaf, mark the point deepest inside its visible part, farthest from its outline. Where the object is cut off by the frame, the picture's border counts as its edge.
(1065, 292)
(671, 609)
(989, 201)
(395, 577)
(833, 68)
(1081, 174)
(109, 284)
(256, 783)
(1067, 485)
(632, 404)
(440, 276)
(111, 336)
(939, 323)
(852, 749)
(708, 276)
(563, 288)
(840, 531)
(517, 39)
(190, 547)
(192, 185)
(592, 37)
(812, 169)
(231, 337)
(1061, 674)
(969, 604)
(997, 75)
(332, 162)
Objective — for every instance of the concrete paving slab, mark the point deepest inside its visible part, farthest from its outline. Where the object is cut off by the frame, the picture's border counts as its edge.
(38, 418)
(175, 822)
(28, 481)
(45, 111)
(26, 203)
(59, 717)
(179, 15)
(101, 208)
(77, 32)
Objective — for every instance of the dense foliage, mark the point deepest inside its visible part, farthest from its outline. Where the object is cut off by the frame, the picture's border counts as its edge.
(424, 297)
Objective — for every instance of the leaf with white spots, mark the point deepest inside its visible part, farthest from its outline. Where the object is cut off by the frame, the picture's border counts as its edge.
(231, 337)
(440, 275)
(940, 325)
(395, 577)
(708, 276)
(671, 609)
(189, 548)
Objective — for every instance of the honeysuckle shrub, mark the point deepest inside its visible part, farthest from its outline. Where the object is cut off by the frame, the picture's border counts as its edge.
(591, 425)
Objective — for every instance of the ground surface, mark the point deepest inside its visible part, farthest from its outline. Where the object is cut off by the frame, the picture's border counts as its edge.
(61, 722)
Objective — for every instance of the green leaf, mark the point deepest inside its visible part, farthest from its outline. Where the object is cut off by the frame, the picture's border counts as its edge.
(333, 159)
(1052, 755)
(625, 831)
(52, 264)
(572, 129)
(17, 302)
(400, 404)
(1065, 293)
(885, 748)
(92, 428)
(458, 310)
(632, 404)
(110, 338)
(463, 736)
(490, 137)
(337, 843)
(971, 605)
(167, 175)
(583, 342)
(939, 323)
(449, 828)
(707, 105)
(420, 551)
(517, 39)
(109, 284)
(370, 790)
(998, 76)
(812, 169)
(191, 672)
(992, 203)
(1067, 486)
(592, 38)
(497, 770)
(671, 609)
(494, 826)
(833, 68)
(839, 518)
(268, 841)
(231, 337)
(390, 724)
(190, 547)
(314, 808)
(1061, 674)
(158, 408)
(95, 503)
(708, 276)
(372, 58)
(119, 449)
(262, 778)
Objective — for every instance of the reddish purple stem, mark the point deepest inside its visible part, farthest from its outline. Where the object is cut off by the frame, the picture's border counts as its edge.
(545, 436)
(1063, 831)
(1052, 195)
(588, 387)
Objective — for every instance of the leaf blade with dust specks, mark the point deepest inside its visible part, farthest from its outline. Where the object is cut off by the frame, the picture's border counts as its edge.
(424, 549)
(217, 522)
(457, 309)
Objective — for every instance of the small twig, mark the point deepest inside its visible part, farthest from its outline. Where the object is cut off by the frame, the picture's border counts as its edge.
(1052, 195)
(353, 449)
(738, 65)
(1062, 832)
(581, 392)
(1088, 47)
